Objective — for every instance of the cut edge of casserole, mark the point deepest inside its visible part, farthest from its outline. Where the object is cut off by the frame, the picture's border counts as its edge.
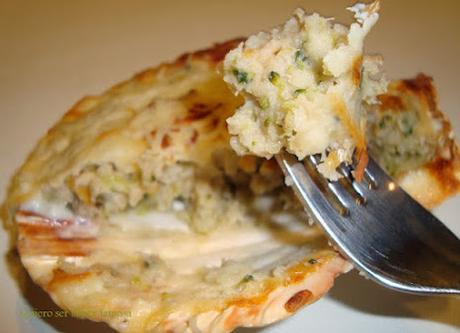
(414, 142)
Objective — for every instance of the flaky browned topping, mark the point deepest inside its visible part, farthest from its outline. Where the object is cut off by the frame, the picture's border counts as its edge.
(391, 103)
(213, 115)
(356, 70)
(422, 86)
(166, 141)
(299, 299)
(216, 53)
(200, 111)
(444, 171)
(441, 164)
(447, 161)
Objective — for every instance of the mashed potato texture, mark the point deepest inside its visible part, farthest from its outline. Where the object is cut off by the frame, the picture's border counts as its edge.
(305, 84)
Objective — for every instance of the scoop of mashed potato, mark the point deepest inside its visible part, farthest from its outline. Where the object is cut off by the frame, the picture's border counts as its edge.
(304, 85)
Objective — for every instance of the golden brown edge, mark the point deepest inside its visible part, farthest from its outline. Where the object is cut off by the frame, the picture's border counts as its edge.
(212, 55)
(443, 171)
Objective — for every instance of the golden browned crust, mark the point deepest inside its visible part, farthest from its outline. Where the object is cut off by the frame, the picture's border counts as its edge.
(445, 166)
(438, 178)
(35, 161)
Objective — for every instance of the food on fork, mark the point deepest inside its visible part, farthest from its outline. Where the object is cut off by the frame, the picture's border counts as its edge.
(306, 84)
(134, 204)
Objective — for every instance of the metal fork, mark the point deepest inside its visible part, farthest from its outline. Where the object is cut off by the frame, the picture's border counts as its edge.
(385, 233)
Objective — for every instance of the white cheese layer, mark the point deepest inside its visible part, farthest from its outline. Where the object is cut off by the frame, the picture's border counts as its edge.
(55, 210)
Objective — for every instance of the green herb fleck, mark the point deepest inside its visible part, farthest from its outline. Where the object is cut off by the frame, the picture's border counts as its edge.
(274, 78)
(312, 261)
(264, 103)
(241, 76)
(408, 131)
(247, 278)
(136, 280)
(385, 120)
(300, 58)
(70, 206)
(181, 198)
(267, 122)
(407, 124)
(299, 91)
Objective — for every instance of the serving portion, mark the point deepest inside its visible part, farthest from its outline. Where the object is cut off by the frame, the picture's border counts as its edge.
(306, 85)
(135, 203)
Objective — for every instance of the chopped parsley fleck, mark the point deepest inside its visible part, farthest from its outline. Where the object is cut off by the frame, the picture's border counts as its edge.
(70, 206)
(408, 131)
(274, 78)
(300, 58)
(384, 121)
(312, 261)
(361, 75)
(264, 103)
(180, 198)
(299, 91)
(267, 122)
(407, 123)
(241, 76)
(247, 278)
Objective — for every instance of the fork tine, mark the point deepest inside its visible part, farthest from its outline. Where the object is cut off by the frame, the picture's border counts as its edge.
(309, 194)
(337, 199)
(345, 190)
(347, 193)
